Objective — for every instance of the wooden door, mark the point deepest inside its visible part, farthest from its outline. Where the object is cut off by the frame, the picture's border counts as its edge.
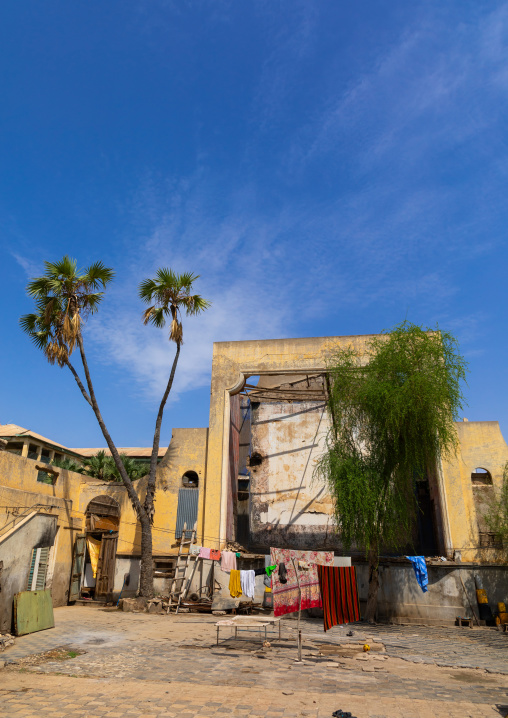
(77, 567)
(106, 568)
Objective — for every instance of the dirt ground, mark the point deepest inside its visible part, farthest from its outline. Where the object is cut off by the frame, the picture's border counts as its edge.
(107, 663)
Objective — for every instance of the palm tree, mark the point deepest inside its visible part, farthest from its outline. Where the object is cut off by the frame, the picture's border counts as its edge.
(100, 466)
(64, 298)
(169, 296)
(69, 464)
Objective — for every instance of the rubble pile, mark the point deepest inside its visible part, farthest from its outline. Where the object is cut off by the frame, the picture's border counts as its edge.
(6, 640)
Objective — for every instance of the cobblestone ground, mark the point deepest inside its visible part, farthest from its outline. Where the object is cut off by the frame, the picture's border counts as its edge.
(143, 665)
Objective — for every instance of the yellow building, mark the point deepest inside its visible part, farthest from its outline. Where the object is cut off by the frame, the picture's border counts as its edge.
(247, 478)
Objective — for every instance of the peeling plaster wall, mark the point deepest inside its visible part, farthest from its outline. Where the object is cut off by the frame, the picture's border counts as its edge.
(16, 553)
(481, 444)
(289, 505)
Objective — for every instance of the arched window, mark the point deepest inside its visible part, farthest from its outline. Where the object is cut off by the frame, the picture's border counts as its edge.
(190, 480)
(481, 477)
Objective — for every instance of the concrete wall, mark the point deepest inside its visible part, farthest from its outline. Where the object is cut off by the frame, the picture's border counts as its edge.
(400, 598)
(16, 554)
(232, 364)
(289, 506)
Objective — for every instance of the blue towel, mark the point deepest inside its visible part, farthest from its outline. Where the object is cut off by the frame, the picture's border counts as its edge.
(420, 568)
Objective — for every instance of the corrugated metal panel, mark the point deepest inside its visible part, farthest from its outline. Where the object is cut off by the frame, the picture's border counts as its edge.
(187, 512)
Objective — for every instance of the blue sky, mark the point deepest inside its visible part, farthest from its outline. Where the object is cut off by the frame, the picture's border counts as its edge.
(328, 168)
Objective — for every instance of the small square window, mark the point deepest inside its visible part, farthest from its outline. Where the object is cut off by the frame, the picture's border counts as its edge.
(33, 451)
(44, 477)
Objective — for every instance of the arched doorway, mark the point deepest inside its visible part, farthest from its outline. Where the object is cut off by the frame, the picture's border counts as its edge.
(102, 523)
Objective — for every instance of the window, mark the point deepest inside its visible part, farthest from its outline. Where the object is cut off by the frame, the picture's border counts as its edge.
(45, 456)
(38, 569)
(164, 567)
(489, 539)
(33, 451)
(481, 477)
(15, 447)
(44, 478)
(57, 457)
(190, 480)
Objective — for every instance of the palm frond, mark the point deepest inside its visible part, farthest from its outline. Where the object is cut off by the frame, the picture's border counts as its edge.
(97, 275)
(146, 290)
(65, 267)
(155, 316)
(195, 304)
(38, 286)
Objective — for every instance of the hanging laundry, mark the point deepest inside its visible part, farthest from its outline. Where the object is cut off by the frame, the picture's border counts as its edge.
(215, 554)
(259, 572)
(286, 596)
(420, 569)
(267, 581)
(247, 583)
(282, 573)
(339, 593)
(238, 554)
(94, 549)
(195, 550)
(204, 552)
(270, 569)
(235, 586)
(228, 561)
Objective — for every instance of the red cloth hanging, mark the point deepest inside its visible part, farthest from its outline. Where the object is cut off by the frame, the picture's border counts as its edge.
(339, 594)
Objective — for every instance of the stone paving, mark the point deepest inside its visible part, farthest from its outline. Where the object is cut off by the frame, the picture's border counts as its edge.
(170, 666)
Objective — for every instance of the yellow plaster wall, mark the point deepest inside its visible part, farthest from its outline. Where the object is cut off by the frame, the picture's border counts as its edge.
(232, 363)
(186, 452)
(481, 444)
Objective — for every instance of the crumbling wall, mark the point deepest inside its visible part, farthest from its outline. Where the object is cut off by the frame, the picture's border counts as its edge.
(289, 506)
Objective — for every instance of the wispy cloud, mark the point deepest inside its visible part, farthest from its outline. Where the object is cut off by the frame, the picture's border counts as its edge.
(394, 231)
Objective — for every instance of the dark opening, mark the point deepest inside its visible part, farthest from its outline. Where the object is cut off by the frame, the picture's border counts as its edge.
(255, 459)
(481, 477)
(190, 480)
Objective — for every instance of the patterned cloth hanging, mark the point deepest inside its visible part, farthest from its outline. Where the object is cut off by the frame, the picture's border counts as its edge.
(286, 595)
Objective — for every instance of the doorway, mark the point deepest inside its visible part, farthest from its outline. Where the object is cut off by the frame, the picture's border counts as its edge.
(101, 538)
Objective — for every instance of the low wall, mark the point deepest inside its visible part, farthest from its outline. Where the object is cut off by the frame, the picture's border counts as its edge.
(451, 591)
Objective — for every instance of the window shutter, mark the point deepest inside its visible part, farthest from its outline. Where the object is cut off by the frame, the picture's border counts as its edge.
(38, 569)
(187, 512)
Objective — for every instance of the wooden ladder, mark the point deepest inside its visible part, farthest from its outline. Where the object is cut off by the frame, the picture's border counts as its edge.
(181, 581)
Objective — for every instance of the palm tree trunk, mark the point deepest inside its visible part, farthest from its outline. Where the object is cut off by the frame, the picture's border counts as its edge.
(79, 382)
(146, 572)
(150, 488)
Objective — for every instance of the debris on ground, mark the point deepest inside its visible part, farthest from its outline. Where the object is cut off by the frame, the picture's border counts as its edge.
(6, 640)
(62, 653)
(342, 714)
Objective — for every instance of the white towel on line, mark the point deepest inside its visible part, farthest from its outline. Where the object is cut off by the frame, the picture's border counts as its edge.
(248, 583)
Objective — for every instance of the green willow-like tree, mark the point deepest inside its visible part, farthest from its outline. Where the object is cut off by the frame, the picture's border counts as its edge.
(392, 412)
(65, 297)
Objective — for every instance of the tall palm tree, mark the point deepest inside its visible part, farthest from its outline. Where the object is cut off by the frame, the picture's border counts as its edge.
(64, 298)
(169, 296)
